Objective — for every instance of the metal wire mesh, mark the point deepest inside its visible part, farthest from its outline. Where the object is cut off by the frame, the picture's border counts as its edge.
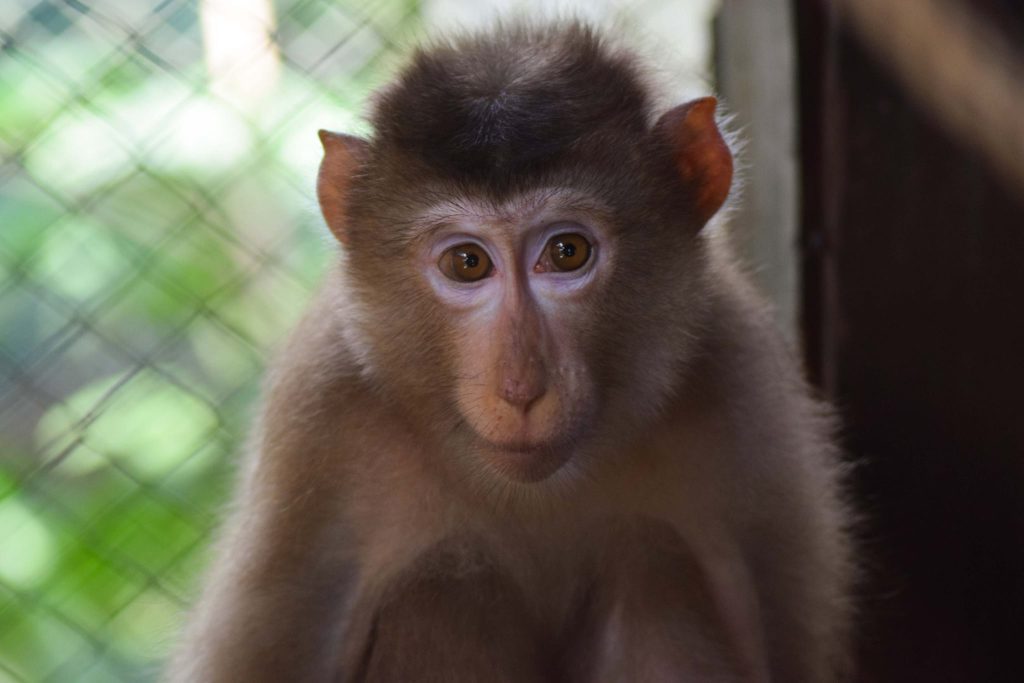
(157, 236)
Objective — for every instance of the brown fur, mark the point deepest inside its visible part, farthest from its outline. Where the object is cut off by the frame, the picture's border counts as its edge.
(681, 517)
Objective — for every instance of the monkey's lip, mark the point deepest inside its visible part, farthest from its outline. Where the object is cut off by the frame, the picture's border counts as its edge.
(512, 442)
(538, 446)
(524, 447)
(526, 461)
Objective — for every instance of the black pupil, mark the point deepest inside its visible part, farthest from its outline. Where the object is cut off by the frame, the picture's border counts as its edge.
(470, 260)
(566, 250)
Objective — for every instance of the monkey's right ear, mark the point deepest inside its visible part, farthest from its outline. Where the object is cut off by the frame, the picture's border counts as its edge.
(343, 155)
(700, 154)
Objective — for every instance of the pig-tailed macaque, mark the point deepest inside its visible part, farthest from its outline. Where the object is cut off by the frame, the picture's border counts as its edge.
(536, 426)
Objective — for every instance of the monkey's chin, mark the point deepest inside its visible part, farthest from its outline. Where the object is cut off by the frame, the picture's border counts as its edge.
(525, 462)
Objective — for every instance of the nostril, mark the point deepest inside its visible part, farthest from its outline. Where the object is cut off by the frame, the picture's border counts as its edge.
(521, 394)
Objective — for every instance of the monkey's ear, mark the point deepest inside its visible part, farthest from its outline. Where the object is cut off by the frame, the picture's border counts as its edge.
(700, 155)
(343, 155)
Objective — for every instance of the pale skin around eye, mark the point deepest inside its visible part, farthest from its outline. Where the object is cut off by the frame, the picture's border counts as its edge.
(469, 262)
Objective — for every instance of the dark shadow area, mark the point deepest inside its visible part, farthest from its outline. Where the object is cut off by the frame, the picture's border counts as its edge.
(914, 325)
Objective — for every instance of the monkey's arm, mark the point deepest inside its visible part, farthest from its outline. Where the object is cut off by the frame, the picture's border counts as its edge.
(780, 563)
(274, 597)
(275, 594)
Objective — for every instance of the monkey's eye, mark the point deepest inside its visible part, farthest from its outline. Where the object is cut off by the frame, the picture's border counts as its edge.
(466, 263)
(568, 251)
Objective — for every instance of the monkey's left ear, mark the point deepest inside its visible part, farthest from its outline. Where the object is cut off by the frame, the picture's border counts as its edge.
(343, 155)
(701, 157)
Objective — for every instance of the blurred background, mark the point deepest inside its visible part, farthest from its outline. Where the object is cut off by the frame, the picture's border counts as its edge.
(159, 235)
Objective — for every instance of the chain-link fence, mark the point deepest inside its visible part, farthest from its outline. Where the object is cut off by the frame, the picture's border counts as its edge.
(157, 235)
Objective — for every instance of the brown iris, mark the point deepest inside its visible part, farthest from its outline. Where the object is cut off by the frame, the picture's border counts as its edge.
(568, 251)
(466, 263)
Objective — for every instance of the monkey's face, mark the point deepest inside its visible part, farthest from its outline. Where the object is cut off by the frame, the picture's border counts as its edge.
(529, 333)
(517, 286)
(528, 318)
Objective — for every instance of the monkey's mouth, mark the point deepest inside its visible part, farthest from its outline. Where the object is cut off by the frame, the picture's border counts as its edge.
(525, 450)
(525, 461)
(525, 447)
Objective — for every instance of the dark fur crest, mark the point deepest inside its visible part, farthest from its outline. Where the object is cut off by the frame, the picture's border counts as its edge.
(489, 108)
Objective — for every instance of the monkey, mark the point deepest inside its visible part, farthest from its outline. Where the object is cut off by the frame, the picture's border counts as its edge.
(536, 425)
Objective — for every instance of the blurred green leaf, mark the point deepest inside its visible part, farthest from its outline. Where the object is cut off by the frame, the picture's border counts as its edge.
(149, 426)
(30, 547)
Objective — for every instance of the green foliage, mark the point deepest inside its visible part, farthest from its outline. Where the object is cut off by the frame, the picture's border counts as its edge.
(157, 239)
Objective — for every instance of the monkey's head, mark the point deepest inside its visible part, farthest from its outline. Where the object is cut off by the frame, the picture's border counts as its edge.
(520, 240)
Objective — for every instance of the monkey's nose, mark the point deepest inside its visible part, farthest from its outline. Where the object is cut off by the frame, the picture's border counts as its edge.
(521, 394)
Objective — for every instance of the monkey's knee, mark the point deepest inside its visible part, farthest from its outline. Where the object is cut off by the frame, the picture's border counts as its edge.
(652, 615)
(453, 617)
